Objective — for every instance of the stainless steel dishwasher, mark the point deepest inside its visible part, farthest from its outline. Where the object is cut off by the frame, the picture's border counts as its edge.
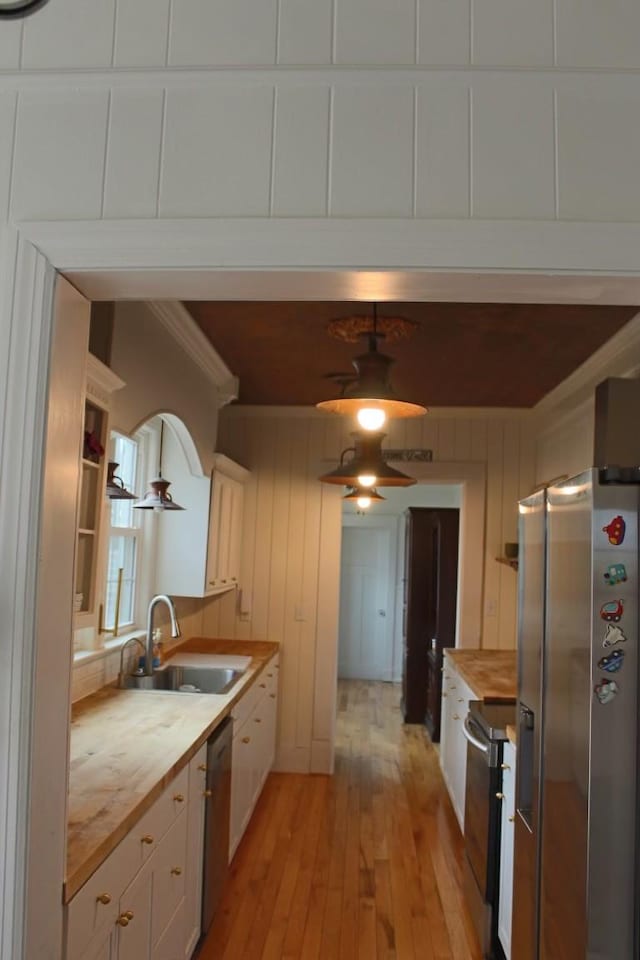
(216, 821)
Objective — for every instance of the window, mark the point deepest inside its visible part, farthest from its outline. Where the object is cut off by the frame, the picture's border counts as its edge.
(125, 536)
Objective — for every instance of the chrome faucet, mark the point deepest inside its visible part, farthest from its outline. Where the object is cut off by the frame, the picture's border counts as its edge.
(175, 628)
(122, 650)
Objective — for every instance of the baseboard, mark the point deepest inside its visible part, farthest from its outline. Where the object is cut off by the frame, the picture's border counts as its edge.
(321, 756)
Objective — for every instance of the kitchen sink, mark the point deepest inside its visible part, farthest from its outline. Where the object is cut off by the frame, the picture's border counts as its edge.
(186, 679)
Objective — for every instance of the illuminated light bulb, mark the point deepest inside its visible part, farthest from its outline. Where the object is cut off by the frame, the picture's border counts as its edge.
(371, 418)
(366, 480)
(363, 502)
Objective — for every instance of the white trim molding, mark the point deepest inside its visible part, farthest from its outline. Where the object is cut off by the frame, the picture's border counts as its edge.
(185, 331)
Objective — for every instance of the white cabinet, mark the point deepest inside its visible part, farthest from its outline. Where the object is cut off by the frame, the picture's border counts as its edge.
(253, 750)
(505, 902)
(456, 695)
(198, 550)
(133, 906)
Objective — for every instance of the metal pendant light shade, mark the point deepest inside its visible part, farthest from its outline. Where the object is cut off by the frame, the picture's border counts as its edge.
(368, 395)
(157, 496)
(367, 462)
(115, 488)
(360, 494)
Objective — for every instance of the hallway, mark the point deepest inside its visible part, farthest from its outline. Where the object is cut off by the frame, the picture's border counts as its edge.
(364, 864)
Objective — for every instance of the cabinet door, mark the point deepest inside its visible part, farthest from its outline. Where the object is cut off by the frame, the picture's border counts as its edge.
(225, 530)
(505, 902)
(169, 871)
(242, 763)
(134, 921)
(195, 842)
(102, 947)
(170, 946)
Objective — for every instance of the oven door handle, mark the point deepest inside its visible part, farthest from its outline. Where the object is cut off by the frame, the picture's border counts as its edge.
(479, 744)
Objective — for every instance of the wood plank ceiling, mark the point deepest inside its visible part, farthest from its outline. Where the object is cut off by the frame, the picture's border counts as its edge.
(462, 354)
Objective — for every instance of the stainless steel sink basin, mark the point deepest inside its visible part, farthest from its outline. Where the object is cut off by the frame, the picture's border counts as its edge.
(187, 680)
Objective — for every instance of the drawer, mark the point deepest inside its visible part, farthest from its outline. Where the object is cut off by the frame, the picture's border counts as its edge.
(156, 821)
(246, 704)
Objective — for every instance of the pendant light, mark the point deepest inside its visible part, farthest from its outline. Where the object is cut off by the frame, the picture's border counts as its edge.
(115, 488)
(363, 496)
(367, 467)
(157, 496)
(369, 396)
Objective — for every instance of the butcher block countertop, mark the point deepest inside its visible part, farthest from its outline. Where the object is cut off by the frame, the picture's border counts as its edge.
(491, 674)
(127, 745)
(512, 735)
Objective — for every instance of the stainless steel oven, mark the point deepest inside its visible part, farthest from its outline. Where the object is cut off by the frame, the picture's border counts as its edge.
(485, 732)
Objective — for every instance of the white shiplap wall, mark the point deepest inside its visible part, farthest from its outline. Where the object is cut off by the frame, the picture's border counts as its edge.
(481, 109)
(292, 539)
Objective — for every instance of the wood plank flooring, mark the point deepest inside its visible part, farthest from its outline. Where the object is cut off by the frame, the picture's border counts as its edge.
(364, 865)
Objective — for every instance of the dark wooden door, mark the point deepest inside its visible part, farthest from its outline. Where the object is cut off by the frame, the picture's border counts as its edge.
(429, 614)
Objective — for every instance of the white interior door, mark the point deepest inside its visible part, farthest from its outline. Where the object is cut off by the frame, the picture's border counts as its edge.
(366, 616)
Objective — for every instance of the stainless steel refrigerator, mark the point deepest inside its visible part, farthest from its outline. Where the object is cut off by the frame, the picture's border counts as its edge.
(575, 892)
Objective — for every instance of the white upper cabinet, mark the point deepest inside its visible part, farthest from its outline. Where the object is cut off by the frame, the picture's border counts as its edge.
(198, 549)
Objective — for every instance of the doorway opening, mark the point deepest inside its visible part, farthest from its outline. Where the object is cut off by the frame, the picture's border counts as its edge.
(385, 630)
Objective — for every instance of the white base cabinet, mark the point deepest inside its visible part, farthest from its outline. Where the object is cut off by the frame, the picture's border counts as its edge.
(456, 695)
(253, 750)
(505, 902)
(140, 903)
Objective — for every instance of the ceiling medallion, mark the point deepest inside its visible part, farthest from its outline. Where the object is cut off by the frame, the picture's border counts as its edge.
(392, 329)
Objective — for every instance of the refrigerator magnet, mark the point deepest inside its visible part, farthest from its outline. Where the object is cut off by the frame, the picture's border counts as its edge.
(615, 530)
(615, 573)
(612, 662)
(606, 690)
(613, 635)
(612, 611)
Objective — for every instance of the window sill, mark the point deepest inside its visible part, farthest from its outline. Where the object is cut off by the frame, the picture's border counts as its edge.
(113, 645)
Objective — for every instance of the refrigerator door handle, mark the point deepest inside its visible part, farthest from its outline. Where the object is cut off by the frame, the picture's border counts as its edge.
(468, 734)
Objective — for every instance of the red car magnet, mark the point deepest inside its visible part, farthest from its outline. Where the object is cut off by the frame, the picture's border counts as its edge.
(612, 610)
(616, 530)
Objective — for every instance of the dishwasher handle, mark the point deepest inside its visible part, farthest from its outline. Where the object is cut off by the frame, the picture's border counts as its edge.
(469, 735)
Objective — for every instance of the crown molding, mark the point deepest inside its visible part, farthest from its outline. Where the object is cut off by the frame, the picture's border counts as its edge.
(185, 331)
(618, 357)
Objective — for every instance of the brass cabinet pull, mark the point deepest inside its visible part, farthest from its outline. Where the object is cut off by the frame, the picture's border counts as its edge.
(125, 919)
(104, 898)
(202, 767)
(246, 739)
(499, 796)
(179, 798)
(460, 699)
(505, 766)
(176, 871)
(257, 720)
(444, 694)
(147, 838)
(207, 793)
(453, 687)
(263, 685)
(272, 695)
(269, 675)
(511, 818)
(456, 716)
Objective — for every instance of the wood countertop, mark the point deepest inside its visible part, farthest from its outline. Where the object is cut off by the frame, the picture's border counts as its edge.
(512, 734)
(491, 674)
(127, 745)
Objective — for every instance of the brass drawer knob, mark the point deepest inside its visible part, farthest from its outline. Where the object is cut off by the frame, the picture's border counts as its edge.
(125, 919)
(269, 675)
(246, 739)
(505, 766)
(202, 767)
(147, 838)
(272, 695)
(263, 685)
(499, 796)
(179, 798)
(444, 694)
(104, 898)
(456, 716)
(176, 871)
(460, 699)
(511, 818)
(257, 720)
(207, 793)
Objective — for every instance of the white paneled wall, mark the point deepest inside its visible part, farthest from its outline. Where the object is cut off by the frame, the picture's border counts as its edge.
(403, 109)
(291, 550)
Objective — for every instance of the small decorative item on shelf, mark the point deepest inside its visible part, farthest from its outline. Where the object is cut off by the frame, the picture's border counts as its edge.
(93, 449)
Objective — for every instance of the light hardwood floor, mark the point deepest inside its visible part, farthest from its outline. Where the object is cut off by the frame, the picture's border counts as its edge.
(363, 865)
